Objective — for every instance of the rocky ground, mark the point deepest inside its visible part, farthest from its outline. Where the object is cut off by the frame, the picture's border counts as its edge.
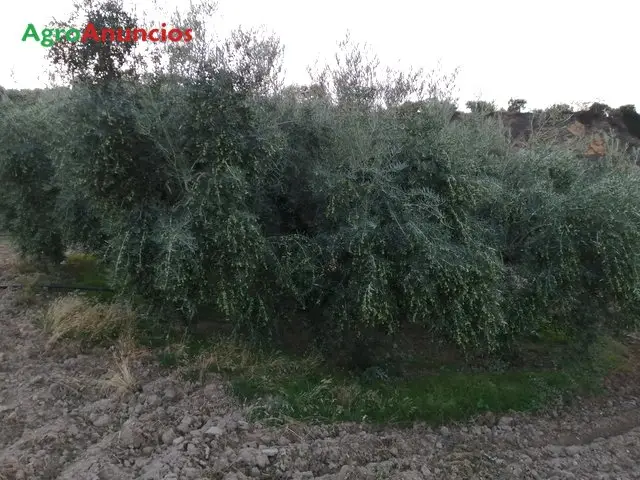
(57, 421)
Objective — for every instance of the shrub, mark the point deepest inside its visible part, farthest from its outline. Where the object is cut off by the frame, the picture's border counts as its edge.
(28, 200)
(570, 238)
(516, 105)
(164, 168)
(480, 106)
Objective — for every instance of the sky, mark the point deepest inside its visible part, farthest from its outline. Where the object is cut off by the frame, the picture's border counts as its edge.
(547, 52)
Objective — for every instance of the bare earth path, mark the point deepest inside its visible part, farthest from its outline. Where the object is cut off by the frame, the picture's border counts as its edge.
(58, 422)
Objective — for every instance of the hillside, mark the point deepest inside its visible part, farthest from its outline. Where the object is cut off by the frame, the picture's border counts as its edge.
(595, 125)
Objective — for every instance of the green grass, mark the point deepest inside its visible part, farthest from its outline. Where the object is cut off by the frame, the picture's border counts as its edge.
(84, 269)
(433, 398)
(280, 387)
(78, 270)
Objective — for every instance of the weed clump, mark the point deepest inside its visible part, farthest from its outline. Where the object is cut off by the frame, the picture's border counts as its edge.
(73, 316)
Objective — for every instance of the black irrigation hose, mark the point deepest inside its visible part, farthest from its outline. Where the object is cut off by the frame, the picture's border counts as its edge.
(60, 287)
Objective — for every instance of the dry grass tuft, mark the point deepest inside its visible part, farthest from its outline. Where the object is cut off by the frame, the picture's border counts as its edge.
(76, 316)
(121, 377)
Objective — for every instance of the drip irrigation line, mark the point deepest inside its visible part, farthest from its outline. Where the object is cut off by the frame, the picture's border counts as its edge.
(58, 287)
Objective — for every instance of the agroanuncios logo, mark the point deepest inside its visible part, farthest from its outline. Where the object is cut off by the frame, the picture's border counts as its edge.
(47, 37)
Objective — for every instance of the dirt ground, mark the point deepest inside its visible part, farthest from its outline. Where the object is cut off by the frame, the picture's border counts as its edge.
(57, 421)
